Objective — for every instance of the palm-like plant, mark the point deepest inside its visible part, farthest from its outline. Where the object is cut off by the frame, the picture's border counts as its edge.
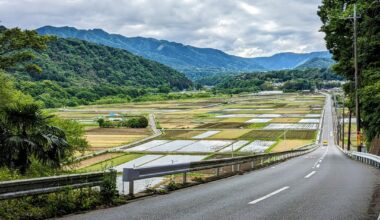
(26, 133)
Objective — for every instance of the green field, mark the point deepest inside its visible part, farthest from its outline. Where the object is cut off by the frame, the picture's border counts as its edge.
(103, 165)
(185, 119)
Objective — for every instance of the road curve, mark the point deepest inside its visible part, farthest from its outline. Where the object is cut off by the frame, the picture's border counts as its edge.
(324, 184)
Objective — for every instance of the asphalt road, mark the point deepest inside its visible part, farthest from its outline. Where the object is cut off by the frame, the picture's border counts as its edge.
(324, 184)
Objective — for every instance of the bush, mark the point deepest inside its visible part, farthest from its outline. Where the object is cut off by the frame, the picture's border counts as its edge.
(136, 122)
(108, 191)
(50, 205)
(101, 122)
(59, 203)
(143, 122)
(140, 122)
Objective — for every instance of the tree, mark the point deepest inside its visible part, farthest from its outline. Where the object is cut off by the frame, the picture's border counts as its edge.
(164, 89)
(26, 134)
(143, 122)
(74, 132)
(339, 38)
(140, 122)
(6, 90)
(16, 47)
(8, 93)
(101, 122)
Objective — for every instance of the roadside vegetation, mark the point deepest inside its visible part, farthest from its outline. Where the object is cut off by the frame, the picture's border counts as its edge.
(36, 144)
(338, 27)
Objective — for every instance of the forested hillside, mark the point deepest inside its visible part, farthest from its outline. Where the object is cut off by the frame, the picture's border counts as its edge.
(287, 80)
(185, 58)
(78, 72)
(288, 60)
(195, 62)
(317, 62)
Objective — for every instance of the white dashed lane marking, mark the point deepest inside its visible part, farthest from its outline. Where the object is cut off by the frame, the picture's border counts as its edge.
(310, 174)
(269, 195)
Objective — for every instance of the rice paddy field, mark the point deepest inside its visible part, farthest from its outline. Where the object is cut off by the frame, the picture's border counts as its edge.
(198, 129)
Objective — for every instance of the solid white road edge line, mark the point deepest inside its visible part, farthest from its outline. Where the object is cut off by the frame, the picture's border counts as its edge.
(269, 195)
(310, 174)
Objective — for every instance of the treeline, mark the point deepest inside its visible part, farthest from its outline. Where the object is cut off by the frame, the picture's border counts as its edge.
(339, 34)
(152, 97)
(134, 122)
(287, 80)
(76, 72)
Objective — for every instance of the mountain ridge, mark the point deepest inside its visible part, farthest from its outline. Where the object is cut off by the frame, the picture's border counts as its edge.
(76, 72)
(192, 61)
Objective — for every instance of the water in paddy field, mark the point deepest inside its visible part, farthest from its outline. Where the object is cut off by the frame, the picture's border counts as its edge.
(151, 160)
(139, 185)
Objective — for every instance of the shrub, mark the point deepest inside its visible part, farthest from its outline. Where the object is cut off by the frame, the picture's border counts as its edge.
(50, 205)
(108, 190)
(59, 203)
(140, 122)
(101, 122)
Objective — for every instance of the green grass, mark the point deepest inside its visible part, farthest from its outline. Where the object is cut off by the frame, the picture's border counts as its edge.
(301, 134)
(268, 150)
(262, 135)
(257, 125)
(110, 163)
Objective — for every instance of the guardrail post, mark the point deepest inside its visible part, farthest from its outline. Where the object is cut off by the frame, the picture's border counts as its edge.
(131, 188)
(233, 168)
(217, 171)
(252, 164)
(238, 167)
(184, 178)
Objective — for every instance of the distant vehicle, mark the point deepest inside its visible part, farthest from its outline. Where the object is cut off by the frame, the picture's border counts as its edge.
(325, 143)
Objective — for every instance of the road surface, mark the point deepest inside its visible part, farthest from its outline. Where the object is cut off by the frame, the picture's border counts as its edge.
(152, 124)
(324, 184)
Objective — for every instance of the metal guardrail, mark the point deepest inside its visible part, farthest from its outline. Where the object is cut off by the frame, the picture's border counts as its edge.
(370, 159)
(27, 187)
(132, 174)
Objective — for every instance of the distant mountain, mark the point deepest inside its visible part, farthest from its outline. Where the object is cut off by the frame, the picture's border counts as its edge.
(185, 58)
(317, 62)
(79, 72)
(194, 62)
(282, 61)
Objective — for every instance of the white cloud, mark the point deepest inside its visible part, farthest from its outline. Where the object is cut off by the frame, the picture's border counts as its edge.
(250, 9)
(246, 28)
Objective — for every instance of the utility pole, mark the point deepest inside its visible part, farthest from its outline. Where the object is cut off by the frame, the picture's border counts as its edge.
(357, 110)
(343, 123)
(356, 73)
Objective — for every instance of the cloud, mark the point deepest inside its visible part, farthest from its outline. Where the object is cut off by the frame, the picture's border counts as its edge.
(240, 27)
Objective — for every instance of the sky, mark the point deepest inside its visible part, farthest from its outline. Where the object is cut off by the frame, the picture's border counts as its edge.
(247, 28)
